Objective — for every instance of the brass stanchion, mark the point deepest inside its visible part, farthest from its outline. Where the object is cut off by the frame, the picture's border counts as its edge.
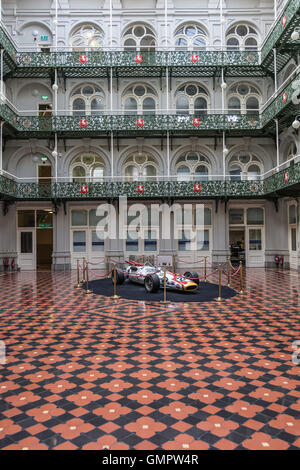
(205, 269)
(78, 285)
(87, 291)
(229, 273)
(165, 301)
(115, 296)
(242, 291)
(219, 298)
(83, 271)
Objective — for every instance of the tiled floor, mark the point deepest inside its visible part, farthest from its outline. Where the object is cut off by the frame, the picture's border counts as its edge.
(85, 373)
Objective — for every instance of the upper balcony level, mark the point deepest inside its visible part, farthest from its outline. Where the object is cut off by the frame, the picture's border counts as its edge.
(138, 60)
(271, 185)
(283, 105)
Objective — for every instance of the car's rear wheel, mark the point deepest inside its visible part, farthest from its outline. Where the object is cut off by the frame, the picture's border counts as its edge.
(152, 283)
(120, 278)
(193, 276)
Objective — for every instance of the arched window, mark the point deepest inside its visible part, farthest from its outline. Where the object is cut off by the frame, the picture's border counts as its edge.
(140, 166)
(139, 99)
(88, 167)
(241, 37)
(193, 166)
(87, 99)
(87, 36)
(139, 38)
(190, 37)
(245, 165)
(244, 98)
(191, 99)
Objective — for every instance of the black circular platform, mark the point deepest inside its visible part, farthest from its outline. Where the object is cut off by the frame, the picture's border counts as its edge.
(207, 292)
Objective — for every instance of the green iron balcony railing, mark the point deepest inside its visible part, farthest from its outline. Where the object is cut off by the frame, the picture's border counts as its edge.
(287, 100)
(275, 185)
(147, 63)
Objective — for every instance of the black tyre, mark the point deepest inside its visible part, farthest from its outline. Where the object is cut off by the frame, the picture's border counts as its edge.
(193, 276)
(120, 278)
(152, 283)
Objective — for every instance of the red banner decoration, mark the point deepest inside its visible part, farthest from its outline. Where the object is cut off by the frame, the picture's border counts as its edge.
(284, 97)
(195, 58)
(83, 123)
(140, 189)
(197, 188)
(196, 122)
(83, 189)
(284, 21)
(140, 122)
(83, 59)
(139, 58)
(286, 177)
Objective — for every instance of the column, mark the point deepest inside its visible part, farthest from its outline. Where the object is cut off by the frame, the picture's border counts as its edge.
(220, 234)
(276, 233)
(61, 256)
(8, 235)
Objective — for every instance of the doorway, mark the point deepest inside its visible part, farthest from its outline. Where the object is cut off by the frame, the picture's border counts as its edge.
(45, 109)
(44, 248)
(44, 173)
(237, 246)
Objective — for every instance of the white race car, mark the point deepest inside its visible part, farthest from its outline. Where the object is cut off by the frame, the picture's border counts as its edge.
(152, 277)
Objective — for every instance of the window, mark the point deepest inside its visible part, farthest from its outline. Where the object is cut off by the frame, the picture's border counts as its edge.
(244, 99)
(236, 217)
(88, 166)
(245, 165)
(139, 38)
(255, 216)
(241, 37)
(292, 214)
(293, 239)
(190, 37)
(26, 219)
(255, 240)
(140, 166)
(203, 240)
(139, 99)
(193, 166)
(184, 240)
(79, 218)
(26, 242)
(79, 242)
(132, 243)
(87, 100)
(97, 243)
(150, 240)
(191, 99)
(87, 36)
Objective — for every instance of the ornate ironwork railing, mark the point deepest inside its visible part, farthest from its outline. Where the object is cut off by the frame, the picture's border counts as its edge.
(151, 189)
(287, 17)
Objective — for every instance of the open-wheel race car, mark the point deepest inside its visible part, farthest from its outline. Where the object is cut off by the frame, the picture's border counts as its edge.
(152, 277)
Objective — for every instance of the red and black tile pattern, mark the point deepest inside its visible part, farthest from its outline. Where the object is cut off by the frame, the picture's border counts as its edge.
(83, 372)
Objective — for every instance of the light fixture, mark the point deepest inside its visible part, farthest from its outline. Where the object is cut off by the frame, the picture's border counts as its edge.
(35, 159)
(296, 123)
(54, 154)
(223, 21)
(55, 87)
(35, 92)
(295, 35)
(35, 33)
(223, 85)
(55, 22)
(225, 150)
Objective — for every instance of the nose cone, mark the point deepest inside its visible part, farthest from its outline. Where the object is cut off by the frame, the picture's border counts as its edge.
(190, 286)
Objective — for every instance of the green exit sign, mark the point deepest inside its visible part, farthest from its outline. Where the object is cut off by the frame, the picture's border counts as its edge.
(44, 97)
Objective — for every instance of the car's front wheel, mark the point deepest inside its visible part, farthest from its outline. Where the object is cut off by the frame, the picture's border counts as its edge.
(193, 276)
(152, 283)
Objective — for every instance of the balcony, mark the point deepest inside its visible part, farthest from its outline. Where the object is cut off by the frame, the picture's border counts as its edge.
(94, 63)
(282, 183)
(285, 104)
